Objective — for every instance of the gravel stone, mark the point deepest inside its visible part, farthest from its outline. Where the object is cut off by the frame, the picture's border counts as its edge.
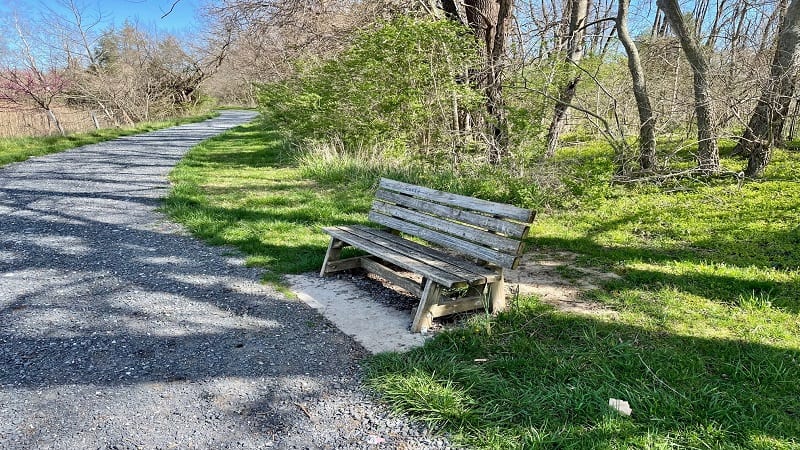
(120, 331)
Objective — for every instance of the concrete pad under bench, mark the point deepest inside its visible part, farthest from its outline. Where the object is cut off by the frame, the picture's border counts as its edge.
(377, 327)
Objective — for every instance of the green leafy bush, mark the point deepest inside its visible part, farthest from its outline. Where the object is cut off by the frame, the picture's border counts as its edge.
(395, 104)
(397, 83)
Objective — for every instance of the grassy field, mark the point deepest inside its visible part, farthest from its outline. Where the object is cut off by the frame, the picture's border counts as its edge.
(20, 149)
(705, 346)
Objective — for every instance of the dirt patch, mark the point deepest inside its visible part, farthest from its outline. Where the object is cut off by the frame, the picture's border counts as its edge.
(364, 312)
(378, 315)
(557, 281)
(552, 276)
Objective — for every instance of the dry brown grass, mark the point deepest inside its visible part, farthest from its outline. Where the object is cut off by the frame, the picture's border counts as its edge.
(19, 123)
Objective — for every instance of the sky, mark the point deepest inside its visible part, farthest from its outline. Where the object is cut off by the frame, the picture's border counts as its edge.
(147, 13)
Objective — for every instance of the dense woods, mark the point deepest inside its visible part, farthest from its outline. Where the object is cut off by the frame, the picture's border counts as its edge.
(502, 84)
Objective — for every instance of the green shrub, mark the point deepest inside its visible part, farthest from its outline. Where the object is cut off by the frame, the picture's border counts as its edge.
(398, 82)
(393, 104)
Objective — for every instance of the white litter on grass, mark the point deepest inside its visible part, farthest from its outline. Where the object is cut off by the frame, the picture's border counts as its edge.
(621, 406)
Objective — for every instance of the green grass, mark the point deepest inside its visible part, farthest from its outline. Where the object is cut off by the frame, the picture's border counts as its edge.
(22, 148)
(705, 344)
(705, 347)
(548, 376)
(242, 189)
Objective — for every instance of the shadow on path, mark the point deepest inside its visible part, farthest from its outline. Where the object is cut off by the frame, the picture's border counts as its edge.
(119, 331)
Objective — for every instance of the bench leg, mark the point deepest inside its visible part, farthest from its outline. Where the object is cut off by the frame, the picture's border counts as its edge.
(497, 295)
(430, 296)
(333, 254)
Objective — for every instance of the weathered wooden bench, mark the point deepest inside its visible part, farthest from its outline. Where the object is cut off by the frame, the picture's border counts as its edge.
(476, 239)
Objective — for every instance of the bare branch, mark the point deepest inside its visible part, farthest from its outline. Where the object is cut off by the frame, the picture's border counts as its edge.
(171, 8)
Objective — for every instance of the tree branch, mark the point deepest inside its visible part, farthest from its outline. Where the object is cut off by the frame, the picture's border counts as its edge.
(171, 8)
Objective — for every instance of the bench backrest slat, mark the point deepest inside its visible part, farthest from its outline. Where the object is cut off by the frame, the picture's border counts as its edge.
(486, 239)
(485, 206)
(512, 229)
(445, 240)
(488, 231)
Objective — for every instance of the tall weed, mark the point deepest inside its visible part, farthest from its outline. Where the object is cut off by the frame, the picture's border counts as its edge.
(333, 163)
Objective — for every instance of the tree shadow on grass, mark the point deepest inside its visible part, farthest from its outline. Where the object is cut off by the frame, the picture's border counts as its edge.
(281, 230)
(546, 377)
(722, 289)
(726, 287)
(241, 150)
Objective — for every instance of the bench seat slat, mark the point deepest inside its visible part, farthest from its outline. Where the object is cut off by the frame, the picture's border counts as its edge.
(415, 261)
(353, 237)
(512, 229)
(461, 201)
(455, 263)
(447, 241)
(475, 235)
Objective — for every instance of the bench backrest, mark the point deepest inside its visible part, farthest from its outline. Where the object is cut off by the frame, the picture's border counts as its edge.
(487, 231)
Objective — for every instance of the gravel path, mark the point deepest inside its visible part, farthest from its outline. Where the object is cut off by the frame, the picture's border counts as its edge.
(118, 331)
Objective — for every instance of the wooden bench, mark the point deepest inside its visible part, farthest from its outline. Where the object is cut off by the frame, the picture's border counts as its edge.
(476, 239)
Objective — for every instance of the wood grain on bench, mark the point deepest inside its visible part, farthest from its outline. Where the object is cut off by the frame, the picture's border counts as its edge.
(476, 239)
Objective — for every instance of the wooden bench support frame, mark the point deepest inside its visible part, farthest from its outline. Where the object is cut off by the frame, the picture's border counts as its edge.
(497, 294)
(423, 317)
(489, 236)
(433, 302)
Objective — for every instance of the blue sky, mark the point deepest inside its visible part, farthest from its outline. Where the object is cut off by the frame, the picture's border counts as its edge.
(147, 13)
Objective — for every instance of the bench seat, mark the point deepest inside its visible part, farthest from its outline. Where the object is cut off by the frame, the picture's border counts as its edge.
(466, 243)
(450, 271)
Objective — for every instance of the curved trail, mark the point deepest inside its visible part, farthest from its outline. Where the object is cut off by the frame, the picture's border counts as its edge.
(119, 331)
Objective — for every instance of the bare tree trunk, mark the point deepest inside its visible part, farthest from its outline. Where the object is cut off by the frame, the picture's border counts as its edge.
(94, 120)
(766, 124)
(647, 132)
(659, 25)
(51, 115)
(451, 10)
(793, 122)
(699, 15)
(577, 23)
(490, 21)
(563, 33)
(108, 114)
(707, 151)
(776, 18)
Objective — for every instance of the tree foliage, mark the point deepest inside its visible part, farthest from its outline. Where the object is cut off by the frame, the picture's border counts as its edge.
(398, 82)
